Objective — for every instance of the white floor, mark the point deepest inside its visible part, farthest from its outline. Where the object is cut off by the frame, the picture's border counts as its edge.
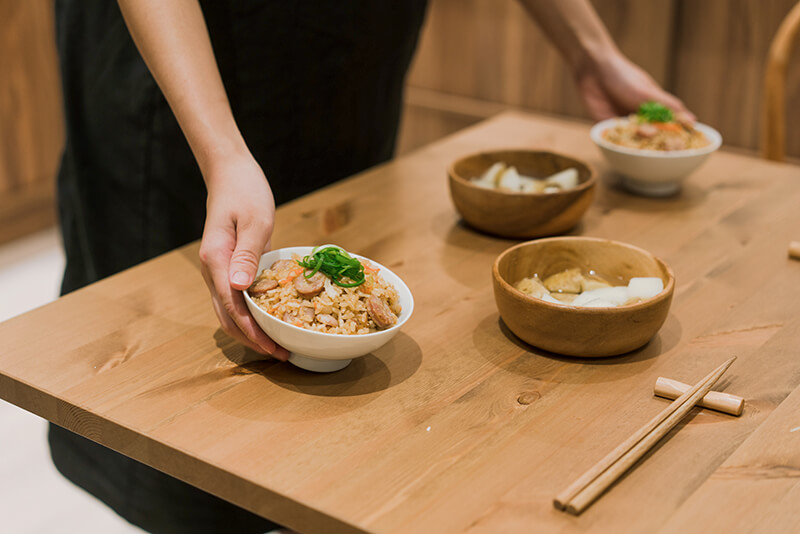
(34, 498)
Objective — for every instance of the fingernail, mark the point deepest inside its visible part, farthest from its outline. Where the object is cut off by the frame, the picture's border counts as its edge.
(240, 278)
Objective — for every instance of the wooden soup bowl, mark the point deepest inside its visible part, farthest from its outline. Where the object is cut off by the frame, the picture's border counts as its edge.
(574, 330)
(520, 215)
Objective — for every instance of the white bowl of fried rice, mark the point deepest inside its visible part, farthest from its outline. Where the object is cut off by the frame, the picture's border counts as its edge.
(324, 329)
(645, 169)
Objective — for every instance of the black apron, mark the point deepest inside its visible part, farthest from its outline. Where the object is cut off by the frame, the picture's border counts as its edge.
(315, 87)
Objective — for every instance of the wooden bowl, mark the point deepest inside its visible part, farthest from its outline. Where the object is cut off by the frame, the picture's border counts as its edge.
(520, 215)
(576, 330)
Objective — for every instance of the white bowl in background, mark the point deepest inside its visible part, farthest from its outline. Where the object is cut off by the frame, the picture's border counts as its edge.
(318, 351)
(653, 173)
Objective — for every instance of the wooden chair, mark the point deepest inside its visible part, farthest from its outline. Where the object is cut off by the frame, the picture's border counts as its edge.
(773, 111)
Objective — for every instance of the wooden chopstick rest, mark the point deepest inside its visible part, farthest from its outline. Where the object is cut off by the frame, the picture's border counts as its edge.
(714, 400)
(581, 493)
(794, 250)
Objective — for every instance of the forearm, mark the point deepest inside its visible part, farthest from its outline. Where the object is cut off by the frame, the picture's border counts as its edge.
(172, 37)
(574, 27)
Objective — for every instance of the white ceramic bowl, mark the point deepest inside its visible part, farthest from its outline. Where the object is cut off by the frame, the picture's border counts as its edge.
(318, 351)
(653, 173)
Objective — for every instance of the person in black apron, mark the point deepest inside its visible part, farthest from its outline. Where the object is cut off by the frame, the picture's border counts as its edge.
(315, 90)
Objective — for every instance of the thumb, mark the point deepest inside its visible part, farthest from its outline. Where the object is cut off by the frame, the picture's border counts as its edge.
(250, 243)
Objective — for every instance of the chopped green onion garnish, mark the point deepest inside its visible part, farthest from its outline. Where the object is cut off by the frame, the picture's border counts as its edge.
(336, 264)
(654, 112)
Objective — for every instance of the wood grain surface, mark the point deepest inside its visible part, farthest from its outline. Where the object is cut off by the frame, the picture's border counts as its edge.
(455, 425)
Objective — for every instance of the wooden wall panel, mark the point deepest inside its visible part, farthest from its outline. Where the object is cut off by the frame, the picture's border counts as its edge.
(491, 51)
(720, 53)
(478, 55)
(31, 123)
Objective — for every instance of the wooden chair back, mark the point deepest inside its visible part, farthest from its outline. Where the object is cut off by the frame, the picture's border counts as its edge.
(773, 111)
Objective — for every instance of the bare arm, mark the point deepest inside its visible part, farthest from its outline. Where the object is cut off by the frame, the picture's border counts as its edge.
(173, 39)
(609, 83)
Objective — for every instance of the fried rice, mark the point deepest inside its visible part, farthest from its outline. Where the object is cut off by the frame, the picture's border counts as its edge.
(334, 310)
(669, 136)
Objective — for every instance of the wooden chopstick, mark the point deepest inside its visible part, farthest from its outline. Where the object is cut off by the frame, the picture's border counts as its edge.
(575, 498)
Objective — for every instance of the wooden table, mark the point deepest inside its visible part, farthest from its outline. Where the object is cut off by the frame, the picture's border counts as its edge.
(454, 426)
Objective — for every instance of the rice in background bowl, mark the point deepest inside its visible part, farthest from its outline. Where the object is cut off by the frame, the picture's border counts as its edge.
(632, 133)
